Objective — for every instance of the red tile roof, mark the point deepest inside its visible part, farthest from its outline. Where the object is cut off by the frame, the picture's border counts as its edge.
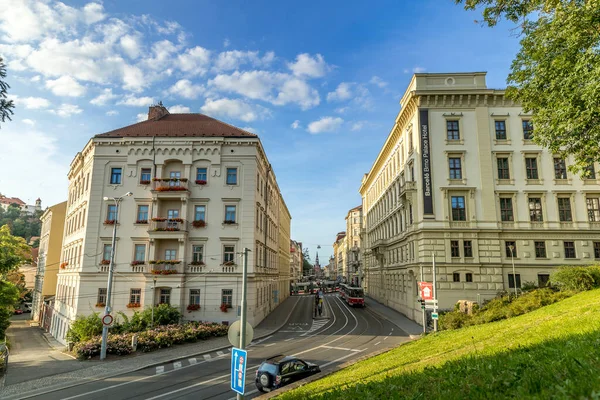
(179, 125)
(11, 200)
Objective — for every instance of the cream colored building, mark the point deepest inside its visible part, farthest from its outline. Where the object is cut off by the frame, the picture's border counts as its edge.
(202, 191)
(353, 246)
(339, 255)
(459, 177)
(53, 224)
(295, 261)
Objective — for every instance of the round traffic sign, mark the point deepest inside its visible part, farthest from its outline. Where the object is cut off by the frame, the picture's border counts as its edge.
(107, 319)
(234, 334)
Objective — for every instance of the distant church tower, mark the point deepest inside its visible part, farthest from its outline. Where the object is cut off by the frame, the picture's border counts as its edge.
(317, 265)
(38, 204)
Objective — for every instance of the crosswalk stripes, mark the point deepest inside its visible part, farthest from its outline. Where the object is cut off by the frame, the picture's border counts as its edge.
(317, 324)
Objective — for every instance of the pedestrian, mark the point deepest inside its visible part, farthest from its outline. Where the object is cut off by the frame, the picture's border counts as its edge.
(320, 306)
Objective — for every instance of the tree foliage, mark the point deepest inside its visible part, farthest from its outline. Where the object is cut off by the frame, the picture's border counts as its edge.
(22, 223)
(6, 106)
(307, 267)
(556, 73)
(13, 251)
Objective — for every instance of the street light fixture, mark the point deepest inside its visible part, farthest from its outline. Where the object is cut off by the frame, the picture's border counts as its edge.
(107, 308)
(512, 256)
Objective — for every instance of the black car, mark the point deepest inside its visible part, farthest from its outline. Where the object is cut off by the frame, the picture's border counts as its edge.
(280, 370)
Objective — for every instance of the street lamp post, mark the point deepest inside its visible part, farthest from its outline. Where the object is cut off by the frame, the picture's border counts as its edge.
(512, 257)
(107, 308)
(153, 301)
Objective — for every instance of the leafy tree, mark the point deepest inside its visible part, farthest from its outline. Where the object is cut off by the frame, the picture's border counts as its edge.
(9, 295)
(13, 251)
(556, 74)
(21, 223)
(307, 267)
(6, 106)
(18, 279)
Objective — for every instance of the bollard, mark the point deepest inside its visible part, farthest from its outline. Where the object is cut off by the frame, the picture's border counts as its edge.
(134, 341)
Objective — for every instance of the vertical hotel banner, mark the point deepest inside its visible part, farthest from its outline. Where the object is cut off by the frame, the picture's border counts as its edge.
(426, 162)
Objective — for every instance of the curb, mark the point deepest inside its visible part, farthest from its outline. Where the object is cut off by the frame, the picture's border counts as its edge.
(371, 310)
(27, 395)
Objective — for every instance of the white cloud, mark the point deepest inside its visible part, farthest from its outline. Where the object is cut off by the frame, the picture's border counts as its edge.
(65, 86)
(226, 43)
(31, 103)
(133, 78)
(377, 81)
(66, 110)
(186, 89)
(28, 121)
(343, 92)
(141, 117)
(112, 113)
(179, 109)
(106, 96)
(418, 70)
(325, 124)
(93, 12)
(130, 45)
(250, 129)
(341, 110)
(295, 124)
(36, 78)
(133, 101)
(357, 126)
(231, 60)
(298, 91)
(234, 108)
(194, 61)
(312, 67)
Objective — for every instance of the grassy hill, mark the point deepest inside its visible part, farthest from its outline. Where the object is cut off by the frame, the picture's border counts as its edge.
(550, 353)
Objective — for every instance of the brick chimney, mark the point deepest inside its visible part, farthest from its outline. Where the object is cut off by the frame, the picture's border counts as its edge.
(156, 112)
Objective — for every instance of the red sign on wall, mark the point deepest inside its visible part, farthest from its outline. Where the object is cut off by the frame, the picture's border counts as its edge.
(426, 289)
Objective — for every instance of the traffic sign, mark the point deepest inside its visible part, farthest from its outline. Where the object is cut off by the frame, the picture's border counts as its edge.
(426, 289)
(431, 301)
(107, 320)
(234, 333)
(434, 315)
(238, 369)
(430, 306)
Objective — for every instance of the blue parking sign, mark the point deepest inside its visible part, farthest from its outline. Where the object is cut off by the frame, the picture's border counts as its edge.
(238, 369)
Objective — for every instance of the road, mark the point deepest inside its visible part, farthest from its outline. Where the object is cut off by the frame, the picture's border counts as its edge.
(349, 333)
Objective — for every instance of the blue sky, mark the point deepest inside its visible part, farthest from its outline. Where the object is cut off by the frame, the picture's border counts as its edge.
(319, 82)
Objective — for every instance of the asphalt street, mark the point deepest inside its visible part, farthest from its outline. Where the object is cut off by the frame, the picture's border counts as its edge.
(350, 333)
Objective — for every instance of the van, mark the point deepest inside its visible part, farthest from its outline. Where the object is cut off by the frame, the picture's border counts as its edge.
(26, 307)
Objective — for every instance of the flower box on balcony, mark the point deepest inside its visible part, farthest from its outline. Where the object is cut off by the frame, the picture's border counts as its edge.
(229, 263)
(105, 262)
(193, 307)
(197, 263)
(229, 222)
(200, 182)
(224, 307)
(134, 305)
(137, 262)
(100, 305)
(64, 265)
(159, 219)
(109, 222)
(164, 271)
(170, 188)
(141, 221)
(145, 182)
(170, 262)
(166, 229)
(200, 223)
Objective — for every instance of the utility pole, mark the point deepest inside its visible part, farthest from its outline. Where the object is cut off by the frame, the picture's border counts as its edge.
(111, 267)
(243, 304)
(153, 301)
(435, 304)
(512, 257)
(423, 307)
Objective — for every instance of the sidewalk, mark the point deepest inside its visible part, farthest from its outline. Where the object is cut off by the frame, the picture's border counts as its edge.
(93, 370)
(398, 319)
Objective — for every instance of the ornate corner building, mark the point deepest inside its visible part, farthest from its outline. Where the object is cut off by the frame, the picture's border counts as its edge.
(459, 176)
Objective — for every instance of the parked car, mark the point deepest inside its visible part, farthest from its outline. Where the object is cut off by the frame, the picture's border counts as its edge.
(26, 307)
(281, 370)
(18, 312)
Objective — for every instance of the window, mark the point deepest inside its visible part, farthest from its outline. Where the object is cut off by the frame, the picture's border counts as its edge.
(596, 249)
(201, 174)
(535, 209)
(452, 130)
(527, 129)
(101, 296)
(165, 296)
(200, 213)
(569, 249)
(170, 254)
(227, 297)
(198, 253)
(142, 214)
(140, 252)
(106, 252)
(454, 249)
(111, 214)
(564, 209)
(543, 280)
(115, 176)
(540, 249)
(593, 207)
(410, 142)
(469, 277)
(500, 130)
(531, 168)
(511, 280)
(468, 248)
(560, 169)
(510, 247)
(229, 214)
(456, 277)
(145, 176)
(589, 172)
(135, 296)
(455, 168)
(228, 253)
(503, 169)
(232, 176)
(195, 296)
(458, 208)
(506, 209)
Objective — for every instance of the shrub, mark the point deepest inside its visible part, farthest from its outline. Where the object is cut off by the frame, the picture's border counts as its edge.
(84, 328)
(453, 320)
(576, 278)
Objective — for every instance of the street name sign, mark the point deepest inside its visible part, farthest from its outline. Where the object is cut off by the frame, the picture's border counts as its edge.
(238, 369)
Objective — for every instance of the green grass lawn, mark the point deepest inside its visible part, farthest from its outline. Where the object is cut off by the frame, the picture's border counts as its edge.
(550, 353)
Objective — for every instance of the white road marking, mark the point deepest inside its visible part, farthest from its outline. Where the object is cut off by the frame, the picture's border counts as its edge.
(192, 361)
(339, 348)
(177, 365)
(270, 344)
(220, 353)
(160, 369)
(206, 357)
(287, 340)
(376, 343)
(386, 338)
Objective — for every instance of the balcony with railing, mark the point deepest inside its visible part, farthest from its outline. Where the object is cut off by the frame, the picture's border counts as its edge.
(165, 228)
(170, 187)
(164, 267)
(195, 266)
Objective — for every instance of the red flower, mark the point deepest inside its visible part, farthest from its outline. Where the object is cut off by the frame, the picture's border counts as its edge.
(193, 307)
(134, 305)
(105, 262)
(200, 182)
(64, 265)
(200, 223)
(224, 307)
(109, 222)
